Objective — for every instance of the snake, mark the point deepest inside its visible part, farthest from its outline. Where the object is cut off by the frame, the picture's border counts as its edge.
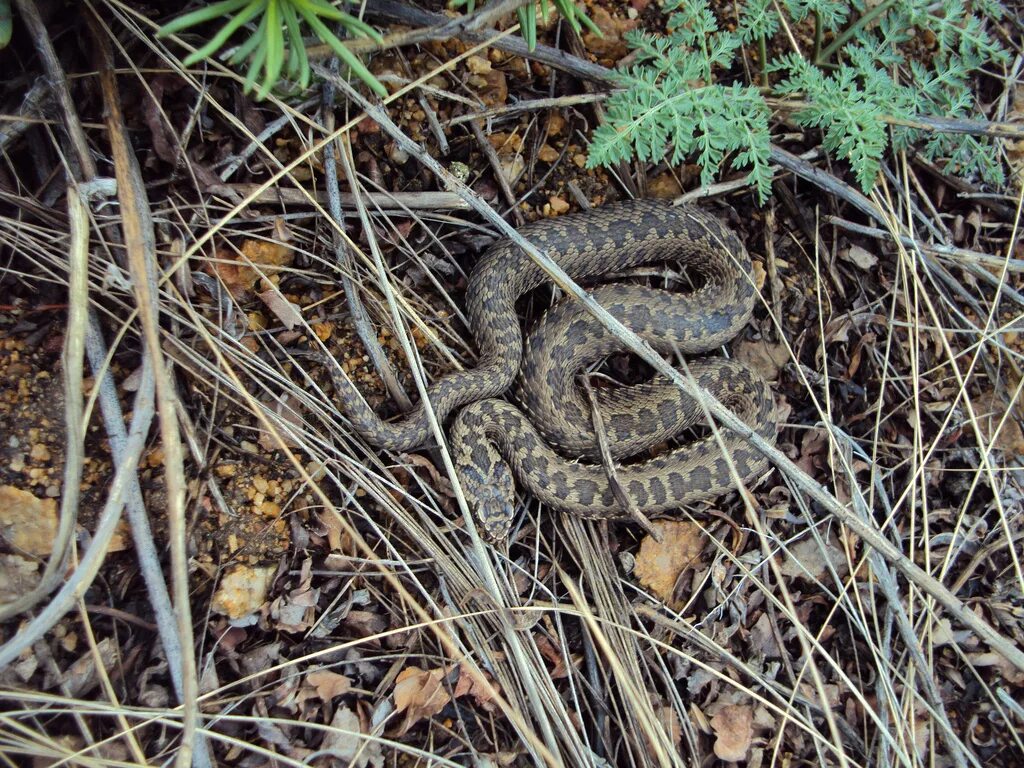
(547, 442)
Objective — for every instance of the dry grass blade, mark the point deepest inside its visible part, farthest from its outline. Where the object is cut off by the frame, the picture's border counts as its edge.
(858, 607)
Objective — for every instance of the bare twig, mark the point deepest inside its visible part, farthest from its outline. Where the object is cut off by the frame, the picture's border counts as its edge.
(140, 245)
(360, 319)
(385, 201)
(404, 13)
(608, 463)
(495, 163)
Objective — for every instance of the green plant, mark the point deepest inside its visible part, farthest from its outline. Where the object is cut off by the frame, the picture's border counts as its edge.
(877, 72)
(528, 17)
(279, 26)
(6, 23)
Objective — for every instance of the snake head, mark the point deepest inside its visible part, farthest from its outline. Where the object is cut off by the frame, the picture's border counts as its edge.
(489, 487)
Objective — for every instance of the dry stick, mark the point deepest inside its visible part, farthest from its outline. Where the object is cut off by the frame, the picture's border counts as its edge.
(495, 163)
(386, 201)
(140, 245)
(29, 15)
(125, 446)
(342, 254)
(723, 415)
(532, 105)
(440, 28)
(72, 364)
(403, 13)
(950, 252)
(29, 113)
(608, 463)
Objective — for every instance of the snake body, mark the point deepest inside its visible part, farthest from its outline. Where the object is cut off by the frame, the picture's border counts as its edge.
(489, 431)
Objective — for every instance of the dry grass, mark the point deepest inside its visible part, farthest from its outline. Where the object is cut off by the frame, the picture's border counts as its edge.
(805, 616)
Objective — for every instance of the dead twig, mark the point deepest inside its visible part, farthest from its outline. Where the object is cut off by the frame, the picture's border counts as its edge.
(608, 463)
(360, 319)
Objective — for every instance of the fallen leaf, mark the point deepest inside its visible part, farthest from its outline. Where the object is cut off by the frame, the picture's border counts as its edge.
(287, 312)
(610, 45)
(18, 575)
(668, 718)
(944, 634)
(859, 257)
(347, 744)
(764, 357)
(658, 566)
(990, 409)
(551, 652)
(240, 270)
(762, 639)
(329, 684)
(420, 694)
(289, 409)
(82, 676)
(664, 186)
(469, 685)
(807, 560)
(734, 730)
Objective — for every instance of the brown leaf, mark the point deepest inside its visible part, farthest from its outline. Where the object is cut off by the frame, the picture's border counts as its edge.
(859, 257)
(658, 566)
(81, 677)
(734, 729)
(346, 744)
(240, 271)
(288, 313)
(550, 652)
(467, 684)
(990, 409)
(18, 575)
(420, 694)
(764, 357)
(808, 561)
(328, 684)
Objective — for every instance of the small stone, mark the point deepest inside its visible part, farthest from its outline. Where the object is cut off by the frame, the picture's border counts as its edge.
(478, 65)
(558, 205)
(547, 154)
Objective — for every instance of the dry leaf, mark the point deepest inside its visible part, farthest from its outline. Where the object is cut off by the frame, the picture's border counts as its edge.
(734, 730)
(764, 357)
(658, 566)
(288, 313)
(551, 652)
(239, 272)
(467, 684)
(990, 409)
(18, 575)
(81, 677)
(420, 694)
(807, 560)
(611, 45)
(289, 410)
(859, 257)
(328, 684)
(346, 744)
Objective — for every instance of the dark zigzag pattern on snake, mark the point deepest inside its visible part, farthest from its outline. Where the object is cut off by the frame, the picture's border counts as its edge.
(587, 245)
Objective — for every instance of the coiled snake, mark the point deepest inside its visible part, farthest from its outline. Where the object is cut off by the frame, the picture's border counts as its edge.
(493, 441)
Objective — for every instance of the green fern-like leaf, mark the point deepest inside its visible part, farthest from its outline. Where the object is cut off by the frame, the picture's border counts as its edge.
(276, 46)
